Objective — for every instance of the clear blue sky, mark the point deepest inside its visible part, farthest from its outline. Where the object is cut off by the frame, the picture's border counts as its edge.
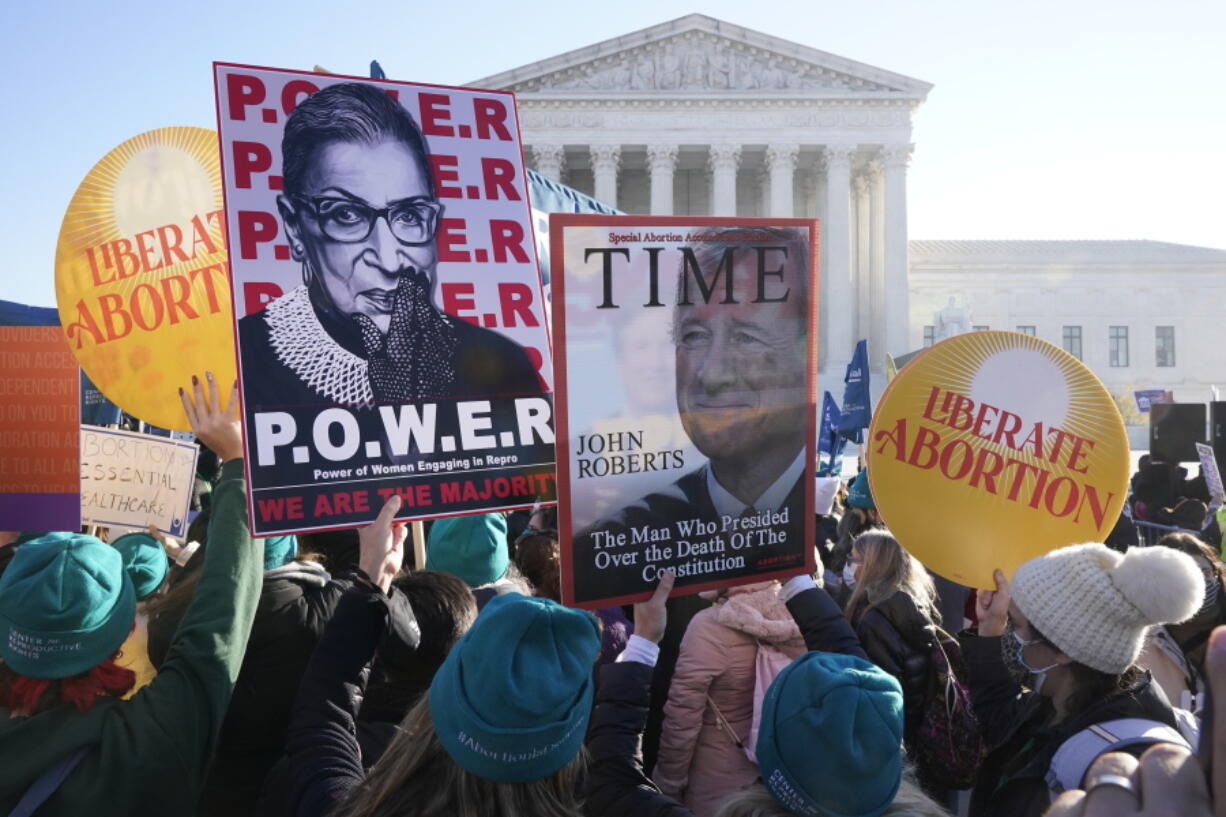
(1069, 119)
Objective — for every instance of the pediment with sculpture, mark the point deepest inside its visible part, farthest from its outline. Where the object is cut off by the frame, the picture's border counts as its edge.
(698, 61)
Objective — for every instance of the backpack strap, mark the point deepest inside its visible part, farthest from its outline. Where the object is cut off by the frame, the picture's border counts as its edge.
(1073, 759)
(47, 784)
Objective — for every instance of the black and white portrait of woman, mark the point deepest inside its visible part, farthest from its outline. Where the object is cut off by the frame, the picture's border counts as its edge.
(361, 215)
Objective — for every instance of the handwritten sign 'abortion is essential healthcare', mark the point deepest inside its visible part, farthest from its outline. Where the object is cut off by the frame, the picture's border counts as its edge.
(992, 448)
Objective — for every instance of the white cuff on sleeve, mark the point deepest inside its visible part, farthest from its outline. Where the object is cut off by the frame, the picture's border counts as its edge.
(641, 650)
(795, 586)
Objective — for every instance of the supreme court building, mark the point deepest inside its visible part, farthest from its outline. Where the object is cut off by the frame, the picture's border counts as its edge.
(699, 117)
(696, 116)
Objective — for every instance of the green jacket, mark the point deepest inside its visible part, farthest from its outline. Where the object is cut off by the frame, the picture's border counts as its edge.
(150, 754)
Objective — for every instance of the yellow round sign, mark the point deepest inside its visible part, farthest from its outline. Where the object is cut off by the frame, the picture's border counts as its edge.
(992, 448)
(141, 278)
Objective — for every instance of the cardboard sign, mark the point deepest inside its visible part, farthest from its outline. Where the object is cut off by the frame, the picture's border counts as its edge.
(387, 300)
(39, 415)
(687, 401)
(131, 480)
(1212, 474)
(140, 273)
(992, 448)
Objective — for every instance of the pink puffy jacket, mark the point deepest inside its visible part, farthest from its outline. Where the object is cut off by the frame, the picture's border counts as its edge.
(699, 763)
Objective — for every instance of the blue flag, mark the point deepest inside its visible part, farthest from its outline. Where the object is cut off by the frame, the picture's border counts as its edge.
(829, 441)
(828, 436)
(857, 402)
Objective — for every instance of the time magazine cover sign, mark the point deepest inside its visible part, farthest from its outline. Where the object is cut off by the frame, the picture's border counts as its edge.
(387, 302)
(686, 403)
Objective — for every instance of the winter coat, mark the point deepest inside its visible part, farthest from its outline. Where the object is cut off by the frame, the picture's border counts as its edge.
(326, 761)
(1018, 723)
(896, 637)
(383, 705)
(616, 785)
(149, 755)
(699, 763)
(296, 601)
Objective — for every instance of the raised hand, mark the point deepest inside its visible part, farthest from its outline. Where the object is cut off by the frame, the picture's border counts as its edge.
(651, 616)
(382, 545)
(992, 607)
(220, 429)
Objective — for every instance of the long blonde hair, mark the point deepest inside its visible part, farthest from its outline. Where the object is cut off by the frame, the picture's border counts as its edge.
(417, 778)
(756, 801)
(888, 569)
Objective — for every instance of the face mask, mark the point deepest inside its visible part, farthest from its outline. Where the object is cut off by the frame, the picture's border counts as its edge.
(1012, 648)
(849, 575)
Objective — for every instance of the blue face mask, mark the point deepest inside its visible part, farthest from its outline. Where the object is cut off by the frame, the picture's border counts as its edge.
(1013, 652)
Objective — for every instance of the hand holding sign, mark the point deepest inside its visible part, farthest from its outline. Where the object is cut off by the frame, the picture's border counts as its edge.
(382, 545)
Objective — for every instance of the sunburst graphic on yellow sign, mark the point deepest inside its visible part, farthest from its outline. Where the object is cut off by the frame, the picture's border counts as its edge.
(994, 447)
(141, 276)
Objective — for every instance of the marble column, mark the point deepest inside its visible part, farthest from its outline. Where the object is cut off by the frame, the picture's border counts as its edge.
(861, 255)
(818, 178)
(763, 179)
(550, 160)
(723, 161)
(661, 163)
(605, 159)
(781, 159)
(840, 317)
(897, 302)
(877, 335)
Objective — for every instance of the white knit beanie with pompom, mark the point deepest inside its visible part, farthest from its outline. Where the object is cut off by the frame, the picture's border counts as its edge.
(1095, 604)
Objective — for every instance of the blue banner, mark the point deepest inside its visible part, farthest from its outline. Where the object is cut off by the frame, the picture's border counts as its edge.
(827, 437)
(830, 443)
(857, 401)
(96, 410)
(548, 196)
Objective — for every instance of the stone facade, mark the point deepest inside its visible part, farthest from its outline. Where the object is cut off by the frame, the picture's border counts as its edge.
(1141, 314)
(700, 117)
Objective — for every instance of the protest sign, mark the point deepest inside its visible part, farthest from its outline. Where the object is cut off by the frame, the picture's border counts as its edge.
(140, 273)
(1147, 397)
(1212, 474)
(39, 411)
(686, 402)
(992, 448)
(132, 480)
(387, 300)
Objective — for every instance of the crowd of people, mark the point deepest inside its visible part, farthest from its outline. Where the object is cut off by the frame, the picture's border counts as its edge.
(325, 675)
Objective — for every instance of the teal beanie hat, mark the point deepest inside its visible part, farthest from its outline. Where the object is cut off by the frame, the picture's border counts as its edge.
(145, 560)
(512, 700)
(66, 604)
(471, 547)
(279, 550)
(861, 495)
(847, 705)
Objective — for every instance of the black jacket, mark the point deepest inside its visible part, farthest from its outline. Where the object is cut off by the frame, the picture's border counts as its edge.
(1017, 724)
(896, 637)
(616, 785)
(296, 602)
(325, 758)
